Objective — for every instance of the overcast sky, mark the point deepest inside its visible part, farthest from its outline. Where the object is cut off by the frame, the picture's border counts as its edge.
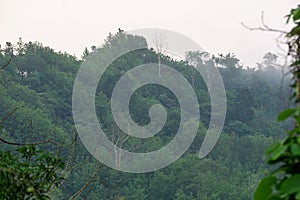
(72, 25)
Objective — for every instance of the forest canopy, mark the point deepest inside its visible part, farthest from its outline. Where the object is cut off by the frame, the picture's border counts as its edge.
(36, 82)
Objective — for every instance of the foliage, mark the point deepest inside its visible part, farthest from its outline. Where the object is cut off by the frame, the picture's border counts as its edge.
(39, 83)
(27, 173)
(284, 181)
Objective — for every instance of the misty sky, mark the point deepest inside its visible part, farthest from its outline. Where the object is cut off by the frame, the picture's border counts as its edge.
(72, 25)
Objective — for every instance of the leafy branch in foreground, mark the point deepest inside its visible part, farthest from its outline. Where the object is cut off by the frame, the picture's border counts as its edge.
(284, 181)
(28, 172)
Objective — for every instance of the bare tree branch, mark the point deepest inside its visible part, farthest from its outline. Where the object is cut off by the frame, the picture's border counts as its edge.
(40, 142)
(264, 27)
(160, 42)
(10, 113)
(87, 183)
(8, 62)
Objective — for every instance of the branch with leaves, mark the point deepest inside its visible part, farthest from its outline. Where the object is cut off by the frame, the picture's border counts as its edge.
(284, 181)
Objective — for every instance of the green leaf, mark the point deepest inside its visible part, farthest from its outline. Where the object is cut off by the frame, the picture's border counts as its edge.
(286, 114)
(288, 18)
(295, 148)
(297, 195)
(275, 197)
(291, 185)
(296, 14)
(298, 139)
(271, 148)
(294, 31)
(30, 189)
(264, 189)
(297, 118)
(277, 152)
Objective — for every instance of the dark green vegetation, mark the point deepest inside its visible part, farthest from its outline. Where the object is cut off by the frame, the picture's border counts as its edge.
(38, 82)
(284, 181)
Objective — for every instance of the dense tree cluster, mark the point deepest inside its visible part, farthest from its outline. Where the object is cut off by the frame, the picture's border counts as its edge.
(38, 82)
